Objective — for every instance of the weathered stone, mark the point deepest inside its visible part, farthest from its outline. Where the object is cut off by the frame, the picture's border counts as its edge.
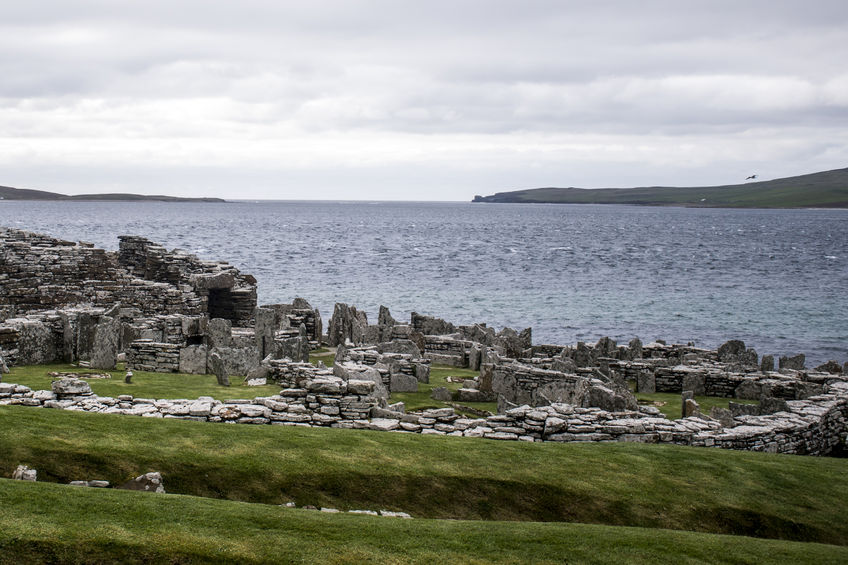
(422, 372)
(723, 415)
(193, 359)
(729, 351)
(770, 405)
(767, 363)
(690, 408)
(646, 382)
(347, 324)
(104, 353)
(737, 409)
(694, 381)
(403, 346)
(149, 482)
(384, 424)
(219, 333)
(217, 367)
(71, 387)
(24, 473)
(265, 327)
(796, 362)
(3, 367)
(563, 365)
(441, 393)
(749, 390)
(403, 383)
(634, 349)
(429, 325)
(832, 367)
(474, 355)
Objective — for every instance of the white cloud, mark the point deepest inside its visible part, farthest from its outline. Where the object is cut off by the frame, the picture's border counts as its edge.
(463, 97)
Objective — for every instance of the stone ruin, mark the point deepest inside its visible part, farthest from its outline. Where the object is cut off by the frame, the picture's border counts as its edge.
(164, 311)
(167, 311)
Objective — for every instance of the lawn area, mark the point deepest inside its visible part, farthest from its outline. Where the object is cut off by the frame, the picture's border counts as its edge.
(620, 484)
(324, 354)
(438, 377)
(144, 385)
(63, 524)
(671, 403)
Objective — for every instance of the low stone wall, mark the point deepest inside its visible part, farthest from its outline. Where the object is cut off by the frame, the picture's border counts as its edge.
(442, 350)
(523, 384)
(812, 426)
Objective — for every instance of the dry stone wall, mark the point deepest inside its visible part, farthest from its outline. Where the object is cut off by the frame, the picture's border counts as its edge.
(39, 273)
(813, 426)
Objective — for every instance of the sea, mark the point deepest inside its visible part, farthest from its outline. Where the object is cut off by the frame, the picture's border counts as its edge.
(776, 279)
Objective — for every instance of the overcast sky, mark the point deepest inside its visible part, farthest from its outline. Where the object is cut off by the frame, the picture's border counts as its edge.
(417, 100)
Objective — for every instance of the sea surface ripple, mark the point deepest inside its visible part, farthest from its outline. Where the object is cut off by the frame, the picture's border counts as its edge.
(777, 279)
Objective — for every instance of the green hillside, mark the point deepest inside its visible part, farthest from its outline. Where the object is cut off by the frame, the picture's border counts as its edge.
(45, 523)
(828, 189)
(667, 487)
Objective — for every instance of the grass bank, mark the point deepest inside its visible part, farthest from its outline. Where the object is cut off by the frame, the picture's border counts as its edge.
(54, 523)
(707, 490)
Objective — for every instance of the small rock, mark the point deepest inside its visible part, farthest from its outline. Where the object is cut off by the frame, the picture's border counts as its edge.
(71, 387)
(24, 473)
(149, 482)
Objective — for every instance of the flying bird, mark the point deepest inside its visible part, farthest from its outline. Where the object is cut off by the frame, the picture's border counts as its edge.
(751, 177)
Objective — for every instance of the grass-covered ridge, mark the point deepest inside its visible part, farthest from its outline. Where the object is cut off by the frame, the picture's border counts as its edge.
(53, 523)
(707, 490)
(828, 189)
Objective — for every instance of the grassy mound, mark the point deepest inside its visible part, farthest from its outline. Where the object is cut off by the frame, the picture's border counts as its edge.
(763, 495)
(55, 523)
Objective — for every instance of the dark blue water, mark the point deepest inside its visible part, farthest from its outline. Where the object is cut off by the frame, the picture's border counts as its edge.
(777, 279)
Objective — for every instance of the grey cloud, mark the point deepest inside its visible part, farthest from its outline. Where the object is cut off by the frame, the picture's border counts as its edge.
(472, 76)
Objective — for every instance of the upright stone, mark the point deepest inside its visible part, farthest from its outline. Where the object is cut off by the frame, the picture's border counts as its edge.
(474, 354)
(767, 363)
(104, 353)
(646, 381)
(218, 368)
(401, 382)
(193, 360)
(795, 362)
(690, 408)
(634, 349)
(264, 330)
(219, 333)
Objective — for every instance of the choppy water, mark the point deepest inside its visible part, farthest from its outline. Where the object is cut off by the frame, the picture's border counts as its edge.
(777, 279)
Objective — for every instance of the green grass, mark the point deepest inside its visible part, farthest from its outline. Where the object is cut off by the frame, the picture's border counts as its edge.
(671, 403)
(438, 374)
(707, 490)
(53, 523)
(144, 385)
(323, 354)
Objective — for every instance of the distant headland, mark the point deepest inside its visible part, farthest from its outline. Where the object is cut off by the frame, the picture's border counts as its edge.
(828, 189)
(9, 193)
